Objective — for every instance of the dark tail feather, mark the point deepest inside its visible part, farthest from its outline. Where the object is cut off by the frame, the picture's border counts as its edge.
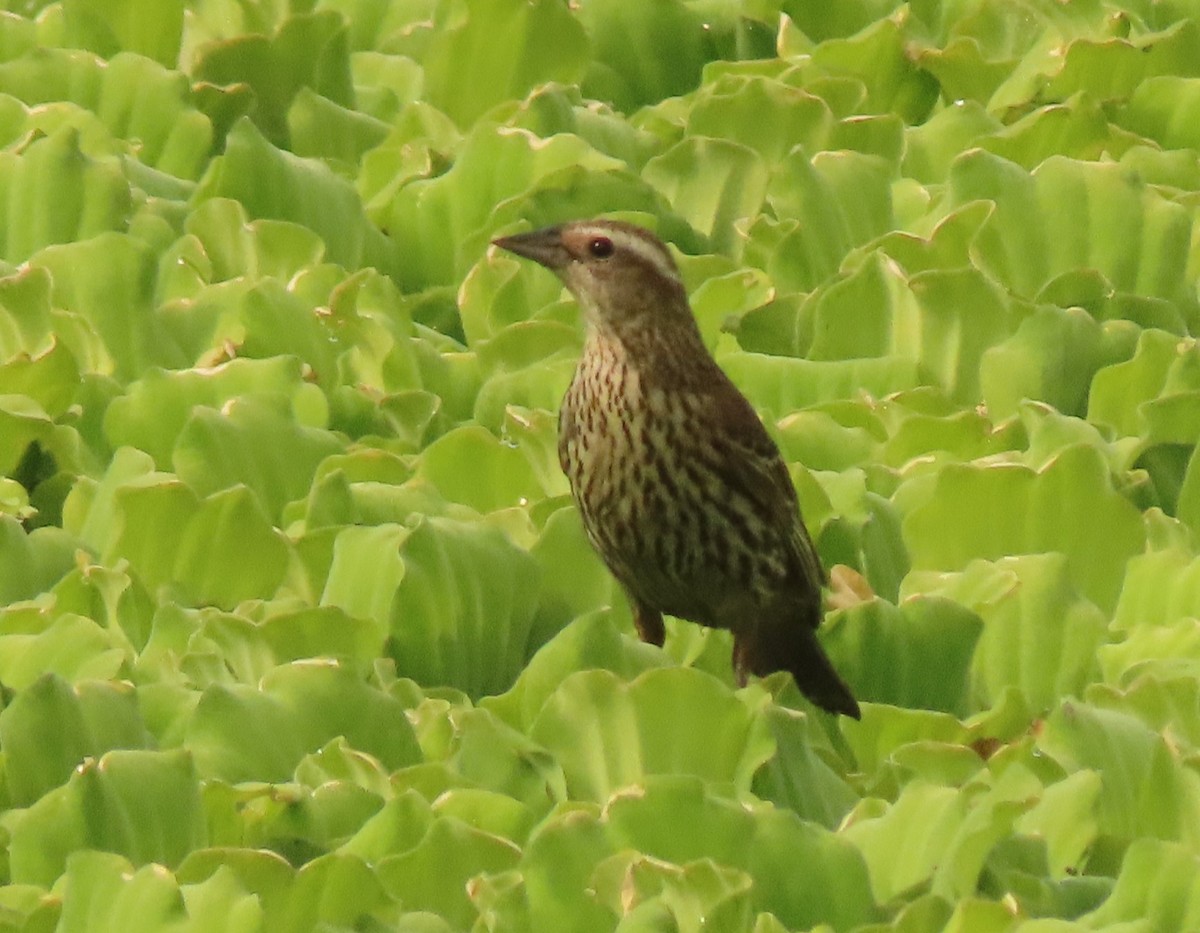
(795, 648)
(817, 679)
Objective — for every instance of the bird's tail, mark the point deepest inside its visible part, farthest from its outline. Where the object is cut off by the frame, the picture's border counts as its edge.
(795, 648)
(818, 680)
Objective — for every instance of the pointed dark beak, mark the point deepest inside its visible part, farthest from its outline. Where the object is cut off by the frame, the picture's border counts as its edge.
(544, 246)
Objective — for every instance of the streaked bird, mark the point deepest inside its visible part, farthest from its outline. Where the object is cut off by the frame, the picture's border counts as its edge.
(683, 493)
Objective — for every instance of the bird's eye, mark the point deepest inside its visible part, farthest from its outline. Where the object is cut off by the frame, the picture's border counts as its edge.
(600, 247)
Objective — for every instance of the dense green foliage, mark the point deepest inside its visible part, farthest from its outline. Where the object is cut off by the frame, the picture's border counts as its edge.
(299, 631)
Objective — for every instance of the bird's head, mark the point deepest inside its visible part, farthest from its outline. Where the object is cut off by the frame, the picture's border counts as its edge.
(623, 276)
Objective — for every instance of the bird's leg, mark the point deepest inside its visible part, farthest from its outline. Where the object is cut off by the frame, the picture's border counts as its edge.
(741, 661)
(649, 624)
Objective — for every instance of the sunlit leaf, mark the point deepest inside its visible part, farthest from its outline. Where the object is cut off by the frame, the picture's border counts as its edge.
(765, 842)
(1069, 506)
(511, 50)
(609, 735)
(463, 614)
(272, 183)
(308, 50)
(248, 733)
(144, 805)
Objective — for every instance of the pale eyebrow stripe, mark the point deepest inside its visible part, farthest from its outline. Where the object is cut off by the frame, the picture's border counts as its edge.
(648, 250)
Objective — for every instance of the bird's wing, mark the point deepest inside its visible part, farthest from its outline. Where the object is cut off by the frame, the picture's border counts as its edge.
(754, 467)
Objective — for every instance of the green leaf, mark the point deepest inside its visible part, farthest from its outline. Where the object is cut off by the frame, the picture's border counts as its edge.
(470, 465)
(240, 733)
(149, 27)
(442, 221)
(769, 116)
(144, 805)
(676, 819)
(1114, 67)
(319, 128)
(642, 54)
(486, 752)
(1076, 130)
(334, 889)
(943, 320)
(846, 200)
(365, 570)
(1038, 634)
(878, 56)
(1069, 506)
(779, 385)
(221, 242)
(51, 378)
(258, 443)
(798, 777)
(590, 642)
(309, 50)
(208, 873)
(51, 727)
(463, 614)
(32, 562)
(324, 631)
(1161, 588)
(511, 51)
(108, 281)
(711, 183)
(497, 293)
(273, 184)
(1066, 818)
(965, 71)
(1145, 790)
(108, 894)
(557, 865)
(155, 409)
(945, 836)
(433, 874)
(26, 426)
(222, 549)
(87, 196)
(136, 99)
(574, 579)
(26, 322)
(1171, 127)
(917, 655)
(1119, 207)
(608, 735)
(72, 646)
(1034, 364)
(229, 551)
(1119, 392)
(1157, 886)
(695, 893)
(1189, 506)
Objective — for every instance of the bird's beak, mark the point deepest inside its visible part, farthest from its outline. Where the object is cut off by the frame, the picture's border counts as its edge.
(543, 246)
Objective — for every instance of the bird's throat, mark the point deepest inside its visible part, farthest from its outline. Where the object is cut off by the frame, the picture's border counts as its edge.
(669, 353)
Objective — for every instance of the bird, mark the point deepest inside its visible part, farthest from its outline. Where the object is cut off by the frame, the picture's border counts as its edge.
(681, 490)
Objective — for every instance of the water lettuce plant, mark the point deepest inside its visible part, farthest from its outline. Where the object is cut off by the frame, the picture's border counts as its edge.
(298, 628)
